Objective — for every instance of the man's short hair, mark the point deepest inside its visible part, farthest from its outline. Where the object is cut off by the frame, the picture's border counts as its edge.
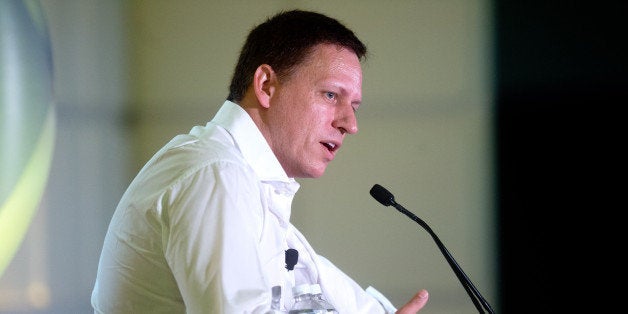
(284, 41)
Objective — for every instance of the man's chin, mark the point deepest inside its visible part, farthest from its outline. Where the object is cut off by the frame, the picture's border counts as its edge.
(313, 173)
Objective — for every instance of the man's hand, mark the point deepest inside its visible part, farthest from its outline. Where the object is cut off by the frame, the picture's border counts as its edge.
(415, 304)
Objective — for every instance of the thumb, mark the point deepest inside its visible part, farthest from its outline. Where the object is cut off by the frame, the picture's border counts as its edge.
(415, 304)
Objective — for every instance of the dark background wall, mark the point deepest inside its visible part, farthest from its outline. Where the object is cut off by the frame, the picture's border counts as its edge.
(561, 86)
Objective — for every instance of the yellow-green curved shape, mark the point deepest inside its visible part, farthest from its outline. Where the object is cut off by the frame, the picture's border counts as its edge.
(27, 119)
(19, 208)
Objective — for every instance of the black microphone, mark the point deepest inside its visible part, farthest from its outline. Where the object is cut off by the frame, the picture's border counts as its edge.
(386, 198)
(292, 256)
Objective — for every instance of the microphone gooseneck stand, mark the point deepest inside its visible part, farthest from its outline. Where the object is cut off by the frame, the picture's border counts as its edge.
(386, 198)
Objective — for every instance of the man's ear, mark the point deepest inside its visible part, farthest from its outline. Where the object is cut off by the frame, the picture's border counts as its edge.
(264, 81)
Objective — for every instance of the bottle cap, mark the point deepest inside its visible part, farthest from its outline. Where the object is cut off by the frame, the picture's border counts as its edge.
(276, 292)
(301, 289)
(315, 288)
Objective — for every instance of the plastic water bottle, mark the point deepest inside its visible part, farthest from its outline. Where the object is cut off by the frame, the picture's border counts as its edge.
(303, 303)
(317, 296)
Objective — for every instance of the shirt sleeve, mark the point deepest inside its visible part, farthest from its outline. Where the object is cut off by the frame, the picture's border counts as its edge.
(212, 224)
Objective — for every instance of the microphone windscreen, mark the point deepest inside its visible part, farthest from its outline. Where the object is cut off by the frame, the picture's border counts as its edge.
(382, 195)
(292, 256)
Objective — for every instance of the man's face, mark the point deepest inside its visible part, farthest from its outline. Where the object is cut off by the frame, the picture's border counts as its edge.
(314, 109)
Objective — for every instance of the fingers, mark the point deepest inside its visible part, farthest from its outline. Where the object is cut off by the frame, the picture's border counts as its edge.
(415, 304)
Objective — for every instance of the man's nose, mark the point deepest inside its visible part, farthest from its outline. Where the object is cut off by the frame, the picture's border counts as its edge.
(345, 120)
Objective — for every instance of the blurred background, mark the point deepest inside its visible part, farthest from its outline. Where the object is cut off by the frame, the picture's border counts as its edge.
(470, 117)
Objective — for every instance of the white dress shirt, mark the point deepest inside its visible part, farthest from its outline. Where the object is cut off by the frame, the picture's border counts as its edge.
(204, 227)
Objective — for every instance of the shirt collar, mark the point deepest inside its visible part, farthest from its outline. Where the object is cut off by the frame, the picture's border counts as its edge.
(252, 144)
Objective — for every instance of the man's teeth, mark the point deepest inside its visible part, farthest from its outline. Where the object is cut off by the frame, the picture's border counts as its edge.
(330, 145)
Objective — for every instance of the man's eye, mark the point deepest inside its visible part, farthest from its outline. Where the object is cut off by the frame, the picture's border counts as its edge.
(330, 95)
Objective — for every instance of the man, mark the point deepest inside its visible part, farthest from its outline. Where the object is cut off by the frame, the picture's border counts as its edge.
(204, 226)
